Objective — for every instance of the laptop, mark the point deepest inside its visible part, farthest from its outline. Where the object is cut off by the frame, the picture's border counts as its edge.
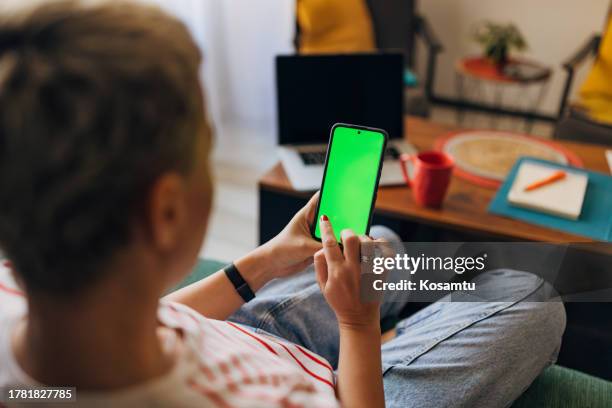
(316, 91)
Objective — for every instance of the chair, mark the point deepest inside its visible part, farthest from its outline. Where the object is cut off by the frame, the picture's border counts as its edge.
(578, 120)
(396, 27)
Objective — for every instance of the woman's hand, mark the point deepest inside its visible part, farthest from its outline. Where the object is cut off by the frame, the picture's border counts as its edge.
(293, 248)
(359, 361)
(290, 251)
(339, 277)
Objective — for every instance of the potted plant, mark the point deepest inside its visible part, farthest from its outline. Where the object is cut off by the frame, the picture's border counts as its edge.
(497, 40)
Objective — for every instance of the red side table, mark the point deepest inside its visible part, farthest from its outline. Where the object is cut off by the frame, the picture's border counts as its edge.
(473, 74)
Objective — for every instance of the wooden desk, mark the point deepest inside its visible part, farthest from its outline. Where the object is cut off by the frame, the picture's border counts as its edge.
(464, 210)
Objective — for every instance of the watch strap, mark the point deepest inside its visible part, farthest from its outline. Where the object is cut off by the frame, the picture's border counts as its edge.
(241, 286)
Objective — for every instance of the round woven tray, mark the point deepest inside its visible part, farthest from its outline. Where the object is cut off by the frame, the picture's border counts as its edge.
(485, 157)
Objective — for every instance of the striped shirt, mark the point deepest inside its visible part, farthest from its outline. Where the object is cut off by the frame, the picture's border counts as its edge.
(218, 364)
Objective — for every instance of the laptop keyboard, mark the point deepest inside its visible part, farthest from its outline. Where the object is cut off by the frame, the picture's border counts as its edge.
(312, 158)
(318, 157)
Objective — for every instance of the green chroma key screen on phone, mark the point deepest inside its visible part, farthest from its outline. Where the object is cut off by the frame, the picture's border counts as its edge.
(351, 178)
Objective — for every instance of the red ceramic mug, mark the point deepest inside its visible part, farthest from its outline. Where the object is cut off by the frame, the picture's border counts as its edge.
(431, 175)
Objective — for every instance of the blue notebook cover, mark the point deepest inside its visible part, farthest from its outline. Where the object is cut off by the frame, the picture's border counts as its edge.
(595, 220)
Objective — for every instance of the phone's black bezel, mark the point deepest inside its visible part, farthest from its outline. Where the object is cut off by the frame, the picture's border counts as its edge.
(380, 165)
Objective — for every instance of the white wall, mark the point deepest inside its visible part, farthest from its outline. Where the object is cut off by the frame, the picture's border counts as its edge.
(255, 32)
(240, 39)
(554, 29)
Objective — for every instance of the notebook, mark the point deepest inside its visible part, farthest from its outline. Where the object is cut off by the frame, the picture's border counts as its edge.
(595, 221)
(563, 198)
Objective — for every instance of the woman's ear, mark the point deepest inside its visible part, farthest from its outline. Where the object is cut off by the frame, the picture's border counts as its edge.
(167, 211)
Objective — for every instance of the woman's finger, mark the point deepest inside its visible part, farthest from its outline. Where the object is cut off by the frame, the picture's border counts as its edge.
(351, 244)
(328, 238)
(320, 266)
(311, 207)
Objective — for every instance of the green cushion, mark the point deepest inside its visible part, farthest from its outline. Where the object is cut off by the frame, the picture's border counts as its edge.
(560, 387)
(204, 268)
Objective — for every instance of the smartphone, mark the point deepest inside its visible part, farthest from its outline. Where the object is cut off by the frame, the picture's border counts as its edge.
(350, 179)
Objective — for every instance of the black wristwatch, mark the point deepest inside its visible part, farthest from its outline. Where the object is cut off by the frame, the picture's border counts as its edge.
(243, 288)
